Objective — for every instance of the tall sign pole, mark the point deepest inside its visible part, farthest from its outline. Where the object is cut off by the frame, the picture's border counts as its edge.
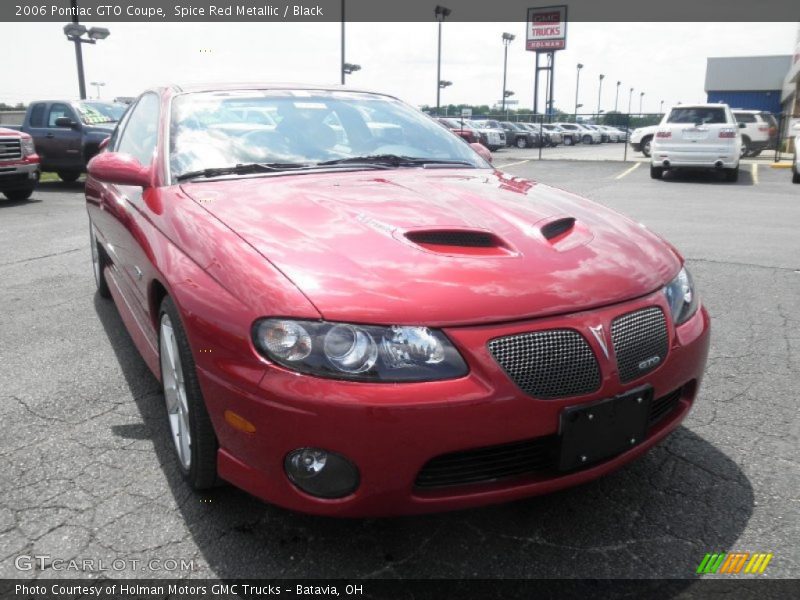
(546, 32)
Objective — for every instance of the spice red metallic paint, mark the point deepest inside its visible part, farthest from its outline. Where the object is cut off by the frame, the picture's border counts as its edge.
(329, 245)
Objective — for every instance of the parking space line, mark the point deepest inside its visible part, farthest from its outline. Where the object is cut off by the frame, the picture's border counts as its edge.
(628, 171)
(754, 173)
(519, 162)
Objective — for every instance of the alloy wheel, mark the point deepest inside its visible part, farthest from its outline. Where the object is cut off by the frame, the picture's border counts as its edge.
(175, 393)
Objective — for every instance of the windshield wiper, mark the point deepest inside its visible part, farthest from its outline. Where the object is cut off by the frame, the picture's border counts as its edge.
(244, 169)
(394, 160)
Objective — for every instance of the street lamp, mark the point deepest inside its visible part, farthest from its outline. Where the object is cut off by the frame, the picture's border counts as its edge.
(75, 32)
(661, 108)
(349, 69)
(641, 96)
(441, 13)
(507, 39)
(577, 85)
(616, 96)
(443, 84)
(600, 92)
(97, 85)
(630, 99)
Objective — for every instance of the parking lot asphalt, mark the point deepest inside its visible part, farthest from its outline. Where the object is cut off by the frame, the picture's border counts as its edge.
(86, 467)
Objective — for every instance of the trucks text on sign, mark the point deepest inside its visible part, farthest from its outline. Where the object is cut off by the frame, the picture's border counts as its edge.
(546, 29)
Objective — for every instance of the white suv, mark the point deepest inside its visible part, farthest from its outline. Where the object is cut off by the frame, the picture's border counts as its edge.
(642, 139)
(584, 134)
(760, 131)
(697, 136)
(495, 135)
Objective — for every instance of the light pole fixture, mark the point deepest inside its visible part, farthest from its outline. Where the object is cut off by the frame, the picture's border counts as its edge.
(630, 100)
(507, 39)
(349, 69)
(97, 85)
(441, 13)
(600, 92)
(75, 33)
(641, 96)
(577, 85)
(443, 84)
(661, 108)
(616, 96)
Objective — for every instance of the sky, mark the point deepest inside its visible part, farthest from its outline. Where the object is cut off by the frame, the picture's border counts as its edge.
(665, 60)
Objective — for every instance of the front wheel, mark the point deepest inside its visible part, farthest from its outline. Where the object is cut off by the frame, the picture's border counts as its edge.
(189, 424)
(587, 139)
(745, 149)
(568, 141)
(732, 174)
(656, 172)
(18, 195)
(522, 142)
(646, 146)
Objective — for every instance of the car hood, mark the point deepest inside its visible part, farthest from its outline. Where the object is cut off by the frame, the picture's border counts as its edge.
(358, 244)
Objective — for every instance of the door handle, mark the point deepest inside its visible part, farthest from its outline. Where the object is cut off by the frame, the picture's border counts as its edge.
(49, 136)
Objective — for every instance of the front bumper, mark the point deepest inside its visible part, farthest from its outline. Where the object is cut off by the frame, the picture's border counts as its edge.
(20, 174)
(390, 431)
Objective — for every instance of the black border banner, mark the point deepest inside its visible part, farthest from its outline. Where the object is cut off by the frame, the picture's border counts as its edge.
(110, 11)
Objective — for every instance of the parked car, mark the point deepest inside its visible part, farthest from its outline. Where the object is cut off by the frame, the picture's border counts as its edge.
(19, 164)
(569, 136)
(604, 137)
(462, 129)
(494, 133)
(760, 131)
(612, 133)
(795, 163)
(555, 133)
(642, 139)
(320, 314)
(68, 134)
(519, 136)
(542, 136)
(586, 135)
(697, 136)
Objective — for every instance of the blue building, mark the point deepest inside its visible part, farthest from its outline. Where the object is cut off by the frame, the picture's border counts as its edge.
(748, 82)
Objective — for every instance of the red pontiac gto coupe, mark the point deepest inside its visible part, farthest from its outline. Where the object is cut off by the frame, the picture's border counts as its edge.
(352, 313)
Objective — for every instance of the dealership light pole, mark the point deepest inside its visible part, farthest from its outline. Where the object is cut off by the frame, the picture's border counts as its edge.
(74, 32)
(342, 53)
(616, 96)
(630, 100)
(97, 85)
(600, 93)
(441, 13)
(641, 96)
(507, 39)
(577, 85)
(661, 108)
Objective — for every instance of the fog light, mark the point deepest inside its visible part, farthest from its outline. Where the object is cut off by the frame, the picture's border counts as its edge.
(321, 473)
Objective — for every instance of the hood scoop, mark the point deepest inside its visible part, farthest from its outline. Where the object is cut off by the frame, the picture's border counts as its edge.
(559, 227)
(459, 241)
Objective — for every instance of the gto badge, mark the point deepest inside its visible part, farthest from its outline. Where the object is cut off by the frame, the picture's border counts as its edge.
(649, 363)
(599, 335)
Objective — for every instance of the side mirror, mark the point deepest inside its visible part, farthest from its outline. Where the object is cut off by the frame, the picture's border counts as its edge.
(119, 169)
(742, 125)
(65, 122)
(102, 145)
(483, 151)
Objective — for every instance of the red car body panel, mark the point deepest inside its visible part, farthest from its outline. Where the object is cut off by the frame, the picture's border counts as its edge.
(331, 245)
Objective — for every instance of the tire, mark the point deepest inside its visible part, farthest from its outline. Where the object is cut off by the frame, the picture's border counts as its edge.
(568, 141)
(186, 409)
(795, 174)
(521, 142)
(99, 264)
(587, 139)
(646, 144)
(732, 175)
(656, 172)
(745, 150)
(18, 195)
(69, 176)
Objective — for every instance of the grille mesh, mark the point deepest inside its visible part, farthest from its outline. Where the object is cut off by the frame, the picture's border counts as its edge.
(469, 239)
(639, 337)
(548, 364)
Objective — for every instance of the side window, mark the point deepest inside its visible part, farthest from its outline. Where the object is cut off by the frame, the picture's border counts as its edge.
(140, 136)
(37, 115)
(58, 110)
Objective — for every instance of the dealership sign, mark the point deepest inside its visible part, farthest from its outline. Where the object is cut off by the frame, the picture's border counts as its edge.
(546, 29)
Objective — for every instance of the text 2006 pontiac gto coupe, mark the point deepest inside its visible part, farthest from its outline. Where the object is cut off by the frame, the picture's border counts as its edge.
(352, 313)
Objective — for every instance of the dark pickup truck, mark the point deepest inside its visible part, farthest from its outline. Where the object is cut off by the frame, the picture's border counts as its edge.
(67, 134)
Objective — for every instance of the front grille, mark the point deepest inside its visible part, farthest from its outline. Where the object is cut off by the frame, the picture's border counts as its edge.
(490, 463)
(548, 364)
(640, 342)
(470, 239)
(487, 464)
(10, 148)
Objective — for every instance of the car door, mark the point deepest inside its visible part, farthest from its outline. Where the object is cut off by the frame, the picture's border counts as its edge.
(126, 227)
(62, 145)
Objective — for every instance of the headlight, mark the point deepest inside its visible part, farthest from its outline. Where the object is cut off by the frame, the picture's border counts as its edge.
(360, 352)
(681, 297)
(27, 146)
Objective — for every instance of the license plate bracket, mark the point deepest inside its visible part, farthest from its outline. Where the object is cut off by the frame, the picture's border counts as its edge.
(596, 431)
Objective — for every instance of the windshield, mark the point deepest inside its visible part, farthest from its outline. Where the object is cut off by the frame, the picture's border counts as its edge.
(101, 112)
(699, 114)
(213, 130)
